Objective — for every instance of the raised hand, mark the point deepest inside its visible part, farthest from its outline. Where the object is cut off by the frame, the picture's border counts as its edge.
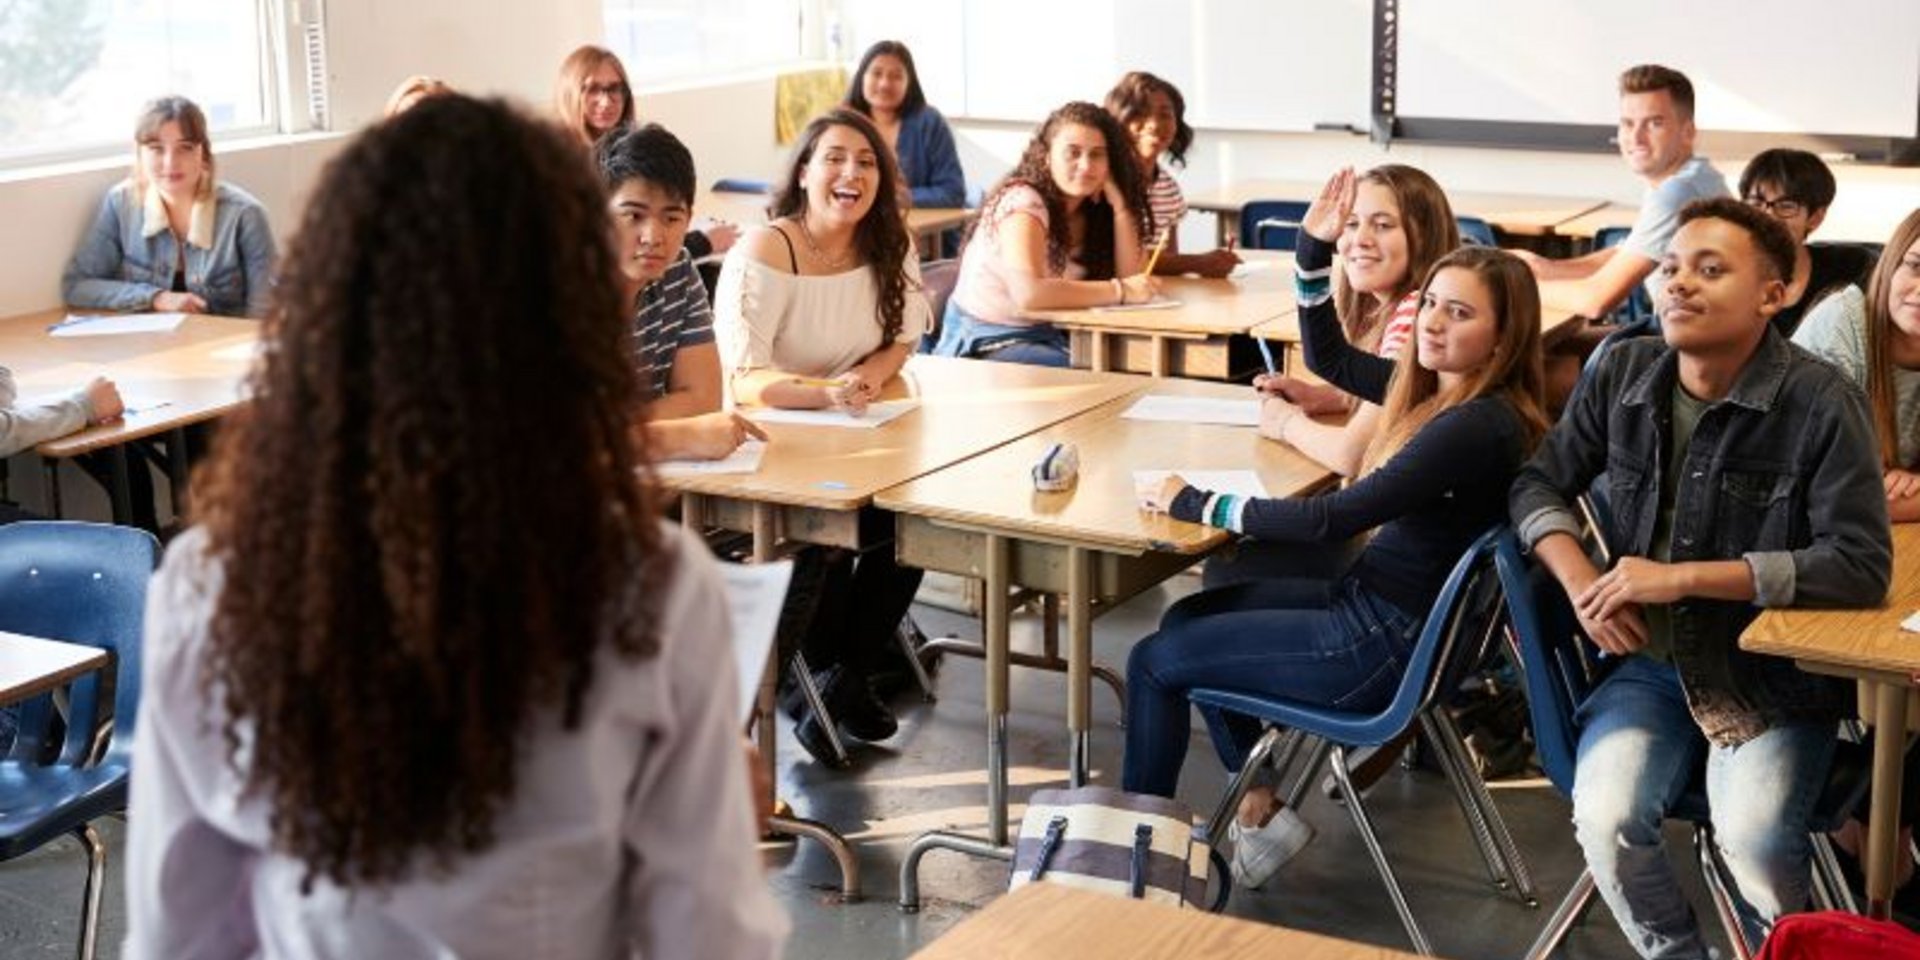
(1327, 215)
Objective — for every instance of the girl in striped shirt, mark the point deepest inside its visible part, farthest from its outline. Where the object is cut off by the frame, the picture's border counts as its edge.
(1155, 117)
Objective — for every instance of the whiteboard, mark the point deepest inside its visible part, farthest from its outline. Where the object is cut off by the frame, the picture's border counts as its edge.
(1240, 64)
(1765, 66)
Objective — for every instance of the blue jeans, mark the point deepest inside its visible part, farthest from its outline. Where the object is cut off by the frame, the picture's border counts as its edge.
(964, 335)
(1331, 643)
(1639, 749)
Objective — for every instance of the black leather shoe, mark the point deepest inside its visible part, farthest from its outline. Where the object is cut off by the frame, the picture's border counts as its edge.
(813, 737)
(861, 714)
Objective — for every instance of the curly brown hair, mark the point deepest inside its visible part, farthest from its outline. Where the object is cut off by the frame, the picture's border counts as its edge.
(881, 238)
(431, 514)
(1034, 171)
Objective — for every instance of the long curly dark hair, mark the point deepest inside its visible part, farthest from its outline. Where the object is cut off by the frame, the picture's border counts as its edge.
(881, 238)
(430, 515)
(1033, 170)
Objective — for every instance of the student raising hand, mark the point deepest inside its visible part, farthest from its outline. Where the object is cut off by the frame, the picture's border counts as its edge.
(1328, 213)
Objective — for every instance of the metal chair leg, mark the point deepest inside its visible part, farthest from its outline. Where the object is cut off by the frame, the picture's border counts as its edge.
(1568, 913)
(1301, 783)
(1472, 788)
(803, 675)
(1237, 787)
(908, 635)
(835, 844)
(1720, 891)
(1476, 817)
(96, 882)
(1358, 808)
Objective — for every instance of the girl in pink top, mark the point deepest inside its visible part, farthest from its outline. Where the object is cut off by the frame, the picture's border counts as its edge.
(1066, 229)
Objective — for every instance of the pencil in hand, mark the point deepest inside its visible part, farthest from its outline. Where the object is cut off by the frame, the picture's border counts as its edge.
(1166, 233)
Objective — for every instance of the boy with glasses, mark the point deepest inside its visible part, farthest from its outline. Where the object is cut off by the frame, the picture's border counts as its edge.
(1796, 188)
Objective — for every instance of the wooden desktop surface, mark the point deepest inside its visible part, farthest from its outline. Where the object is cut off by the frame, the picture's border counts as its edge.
(995, 490)
(749, 209)
(1261, 289)
(1866, 223)
(1518, 213)
(966, 407)
(1046, 921)
(196, 371)
(30, 666)
(1866, 640)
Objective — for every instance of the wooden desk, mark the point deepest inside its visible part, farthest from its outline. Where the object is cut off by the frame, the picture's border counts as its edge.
(751, 208)
(1515, 213)
(1861, 222)
(1193, 339)
(1045, 921)
(195, 373)
(30, 666)
(814, 481)
(1869, 646)
(983, 519)
(1600, 218)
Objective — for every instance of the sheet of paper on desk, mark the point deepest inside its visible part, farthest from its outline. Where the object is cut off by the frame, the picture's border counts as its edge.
(1244, 483)
(1911, 624)
(1174, 408)
(1157, 303)
(755, 594)
(744, 459)
(132, 402)
(876, 415)
(106, 325)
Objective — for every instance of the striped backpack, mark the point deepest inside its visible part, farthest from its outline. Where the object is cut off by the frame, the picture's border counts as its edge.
(1125, 844)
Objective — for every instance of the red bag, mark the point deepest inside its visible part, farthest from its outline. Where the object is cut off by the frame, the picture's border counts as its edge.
(1838, 934)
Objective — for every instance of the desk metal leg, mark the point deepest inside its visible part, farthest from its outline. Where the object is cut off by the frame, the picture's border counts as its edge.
(765, 541)
(178, 468)
(122, 498)
(53, 488)
(1079, 664)
(998, 576)
(1883, 824)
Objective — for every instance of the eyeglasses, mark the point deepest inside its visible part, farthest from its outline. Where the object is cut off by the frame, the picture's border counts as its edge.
(1783, 208)
(604, 89)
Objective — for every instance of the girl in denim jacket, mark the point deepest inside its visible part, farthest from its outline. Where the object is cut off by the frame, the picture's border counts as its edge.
(171, 237)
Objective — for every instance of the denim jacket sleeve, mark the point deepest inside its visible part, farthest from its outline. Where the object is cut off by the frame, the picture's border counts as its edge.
(1572, 453)
(254, 238)
(1849, 562)
(940, 182)
(93, 277)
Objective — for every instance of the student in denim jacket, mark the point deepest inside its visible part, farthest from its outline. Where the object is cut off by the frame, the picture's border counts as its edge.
(1741, 473)
(171, 236)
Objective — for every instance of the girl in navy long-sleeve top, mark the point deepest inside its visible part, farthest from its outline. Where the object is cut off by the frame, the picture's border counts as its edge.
(1462, 412)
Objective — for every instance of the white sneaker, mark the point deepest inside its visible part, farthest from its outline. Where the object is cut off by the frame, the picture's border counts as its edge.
(1258, 852)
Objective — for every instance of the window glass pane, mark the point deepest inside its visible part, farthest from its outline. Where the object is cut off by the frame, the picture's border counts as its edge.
(74, 73)
(665, 40)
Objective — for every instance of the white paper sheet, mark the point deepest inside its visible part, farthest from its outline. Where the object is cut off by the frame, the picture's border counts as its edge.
(1245, 483)
(1911, 624)
(1157, 303)
(245, 352)
(133, 402)
(1178, 409)
(877, 414)
(755, 594)
(105, 325)
(744, 459)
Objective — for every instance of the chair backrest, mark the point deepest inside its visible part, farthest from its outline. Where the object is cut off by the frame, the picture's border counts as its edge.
(939, 276)
(1476, 232)
(82, 583)
(741, 185)
(1271, 224)
(1555, 661)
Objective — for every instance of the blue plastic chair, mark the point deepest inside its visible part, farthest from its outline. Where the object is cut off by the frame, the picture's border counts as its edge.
(1560, 668)
(1271, 224)
(1458, 630)
(1638, 308)
(80, 583)
(741, 185)
(1476, 232)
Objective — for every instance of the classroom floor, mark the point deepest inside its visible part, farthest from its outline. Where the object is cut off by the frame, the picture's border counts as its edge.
(931, 776)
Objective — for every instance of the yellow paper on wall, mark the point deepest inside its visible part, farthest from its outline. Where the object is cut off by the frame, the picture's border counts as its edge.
(799, 97)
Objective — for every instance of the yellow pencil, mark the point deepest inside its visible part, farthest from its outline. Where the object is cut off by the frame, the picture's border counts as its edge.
(817, 382)
(1165, 233)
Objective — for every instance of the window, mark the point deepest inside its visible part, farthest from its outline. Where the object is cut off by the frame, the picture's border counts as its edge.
(75, 73)
(665, 40)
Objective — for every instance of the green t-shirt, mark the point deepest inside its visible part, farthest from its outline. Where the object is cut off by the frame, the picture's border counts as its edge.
(1686, 416)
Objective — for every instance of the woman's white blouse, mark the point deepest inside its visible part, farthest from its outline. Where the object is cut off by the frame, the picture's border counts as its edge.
(811, 326)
